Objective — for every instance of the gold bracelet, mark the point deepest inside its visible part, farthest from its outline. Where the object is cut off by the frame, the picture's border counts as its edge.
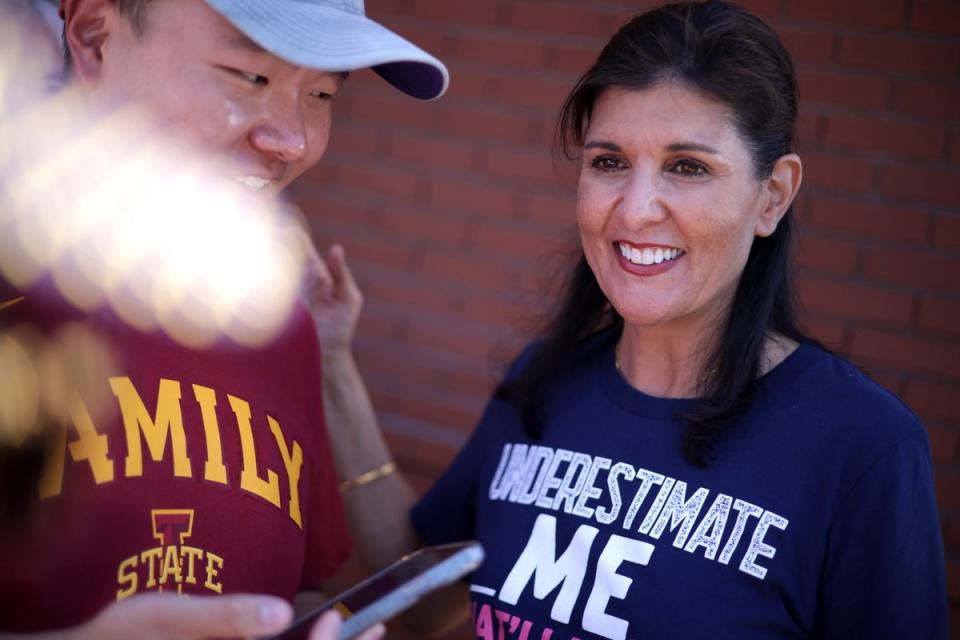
(366, 478)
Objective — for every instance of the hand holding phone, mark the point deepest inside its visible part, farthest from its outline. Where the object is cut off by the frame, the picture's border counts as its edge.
(394, 589)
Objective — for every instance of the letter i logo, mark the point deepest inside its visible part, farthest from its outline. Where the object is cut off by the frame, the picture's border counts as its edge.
(171, 527)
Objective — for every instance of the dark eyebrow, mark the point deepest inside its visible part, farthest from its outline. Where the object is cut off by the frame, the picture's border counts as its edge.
(609, 146)
(691, 146)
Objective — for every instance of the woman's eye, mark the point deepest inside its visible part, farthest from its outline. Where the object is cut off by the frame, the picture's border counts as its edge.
(689, 169)
(322, 95)
(607, 163)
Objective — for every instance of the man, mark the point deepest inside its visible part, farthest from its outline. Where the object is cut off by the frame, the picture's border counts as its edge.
(214, 474)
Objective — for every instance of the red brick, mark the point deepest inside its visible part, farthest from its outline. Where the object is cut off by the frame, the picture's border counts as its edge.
(936, 16)
(928, 99)
(557, 18)
(845, 89)
(881, 13)
(434, 40)
(904, 54)
(946, 233)
(763, 8)
(431, 151)
(947, 482)
(573, 59)
(559, 209)
(511, 53)
(379, 7)
(378, 251)
(955, 146)
(808, 45)
(378, 180)
(476, 348)
(850, 300)
(323, 210)
(951, 537)
(485, 124)
(831, 170)
(467, 196)
(437, 230)
(933, 399)
(357, 140)
(953, 577)
(516, 242)
(466, 270)
(394, 110)
(914, 268)
(819, 253)
(940, 316)
(419, 294)
(921, 141)
(525, 167)
(534, 92)
(908, 352)
(926, 184)
(943, 444)
(472, 84)
(459, 11)
(831, 333)
(868, 219)
(808, 129)
(485, 309)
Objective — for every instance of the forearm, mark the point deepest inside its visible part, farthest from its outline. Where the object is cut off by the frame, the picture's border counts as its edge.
(377, 511)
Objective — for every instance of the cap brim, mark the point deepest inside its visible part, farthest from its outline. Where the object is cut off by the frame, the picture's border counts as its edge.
(319, 37)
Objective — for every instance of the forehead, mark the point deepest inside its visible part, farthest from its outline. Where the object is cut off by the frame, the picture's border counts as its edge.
(192, 27)
(665, 111)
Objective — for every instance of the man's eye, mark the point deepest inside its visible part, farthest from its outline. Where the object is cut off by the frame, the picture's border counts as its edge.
(253, 78)
(689, 169)
(607, 163)
(322, 95)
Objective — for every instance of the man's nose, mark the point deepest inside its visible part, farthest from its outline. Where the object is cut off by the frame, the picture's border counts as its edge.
(281, 131)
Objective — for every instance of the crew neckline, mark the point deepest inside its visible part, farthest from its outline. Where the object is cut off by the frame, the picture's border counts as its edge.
(621, 393)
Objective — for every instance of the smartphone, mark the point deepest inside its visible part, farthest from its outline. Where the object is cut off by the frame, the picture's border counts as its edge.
(393, 590)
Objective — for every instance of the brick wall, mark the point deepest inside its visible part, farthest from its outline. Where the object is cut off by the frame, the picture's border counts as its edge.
(455, 216)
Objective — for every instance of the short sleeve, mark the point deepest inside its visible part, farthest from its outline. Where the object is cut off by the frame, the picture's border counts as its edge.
(446, 513)
(884, 567)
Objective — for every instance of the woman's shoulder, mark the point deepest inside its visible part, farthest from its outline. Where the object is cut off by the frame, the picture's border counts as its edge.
(829, 390)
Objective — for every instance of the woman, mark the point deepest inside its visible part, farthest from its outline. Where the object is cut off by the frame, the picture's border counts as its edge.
(675, 458)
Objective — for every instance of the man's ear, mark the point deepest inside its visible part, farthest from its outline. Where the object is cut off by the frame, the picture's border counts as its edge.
(87, 26)
(781, 187)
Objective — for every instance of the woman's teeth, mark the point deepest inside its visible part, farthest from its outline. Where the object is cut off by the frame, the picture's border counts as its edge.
(648, 255)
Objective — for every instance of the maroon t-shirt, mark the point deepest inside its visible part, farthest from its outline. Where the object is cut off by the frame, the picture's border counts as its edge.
(211, 474)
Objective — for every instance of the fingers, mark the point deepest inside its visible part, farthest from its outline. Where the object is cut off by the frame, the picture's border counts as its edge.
(328, 628)
(344, 284)
(164, 615)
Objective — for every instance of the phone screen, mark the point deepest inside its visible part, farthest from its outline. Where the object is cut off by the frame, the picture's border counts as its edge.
(394, 589)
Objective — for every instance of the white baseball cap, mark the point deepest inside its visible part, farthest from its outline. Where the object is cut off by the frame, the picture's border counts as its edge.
(336, 35)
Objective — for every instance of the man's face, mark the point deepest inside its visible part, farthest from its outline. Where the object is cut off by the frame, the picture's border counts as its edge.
(265, 119)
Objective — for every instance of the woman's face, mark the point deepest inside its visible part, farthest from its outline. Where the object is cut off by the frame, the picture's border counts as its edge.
(668, 204)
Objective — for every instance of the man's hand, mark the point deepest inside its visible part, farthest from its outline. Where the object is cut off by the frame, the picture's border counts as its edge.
(328, 628)
(332, 297)
(162, 616)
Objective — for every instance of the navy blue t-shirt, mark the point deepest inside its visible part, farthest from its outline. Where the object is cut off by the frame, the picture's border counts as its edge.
(817, 518)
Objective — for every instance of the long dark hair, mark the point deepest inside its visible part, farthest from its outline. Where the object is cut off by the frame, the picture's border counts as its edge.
(722, 51)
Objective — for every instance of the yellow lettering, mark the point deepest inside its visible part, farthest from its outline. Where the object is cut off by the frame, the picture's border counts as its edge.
(191, 554)
(52, 481)
(212, 572)
(293, 464)
(171, 566)
(127, 573)
(168, 419)
(213, 469)
(150, 556)
(90, 445)
(269, 490)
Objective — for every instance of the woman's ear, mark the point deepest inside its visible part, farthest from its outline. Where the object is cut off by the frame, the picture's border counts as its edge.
(781, 188)
(87, 26)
